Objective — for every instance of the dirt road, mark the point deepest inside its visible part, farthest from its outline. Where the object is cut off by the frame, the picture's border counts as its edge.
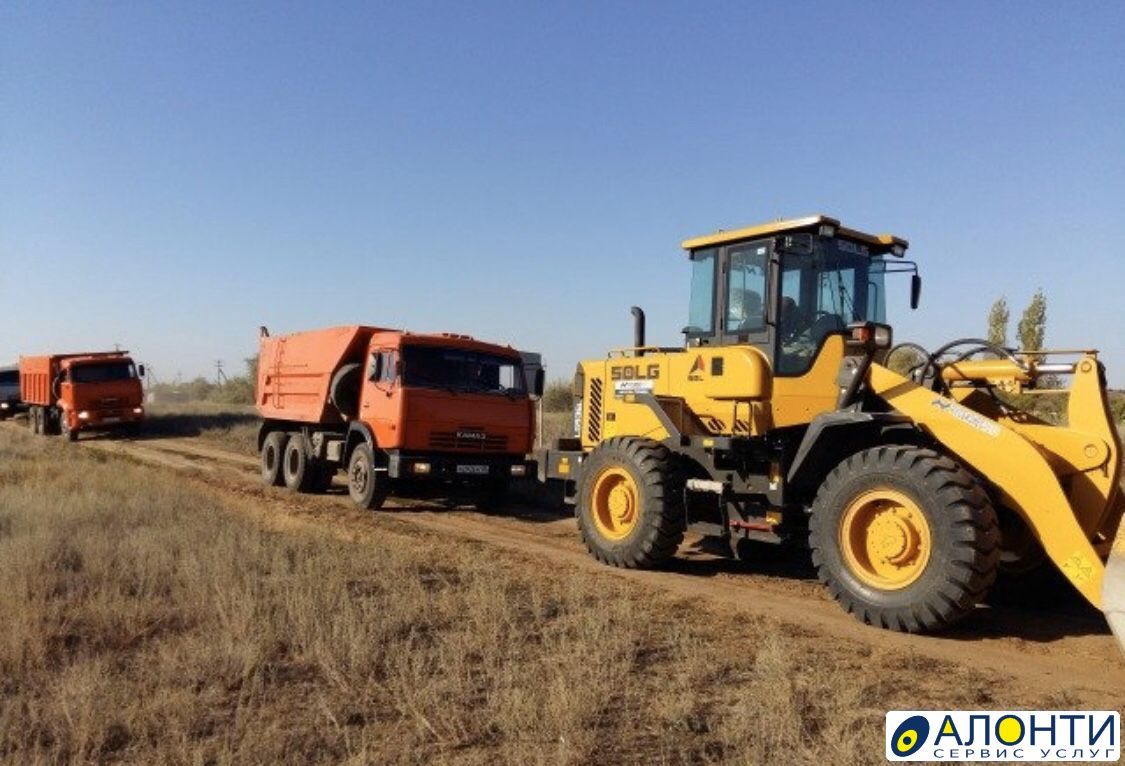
(1066, 650)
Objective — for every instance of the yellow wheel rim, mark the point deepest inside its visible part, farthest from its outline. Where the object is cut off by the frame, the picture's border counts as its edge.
(885, 539)
(616, 503)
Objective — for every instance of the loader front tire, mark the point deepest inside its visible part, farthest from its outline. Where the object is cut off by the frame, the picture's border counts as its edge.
(904, 538)
(630, 503)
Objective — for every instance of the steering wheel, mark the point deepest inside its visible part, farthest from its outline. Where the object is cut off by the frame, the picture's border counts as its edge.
(802, 322)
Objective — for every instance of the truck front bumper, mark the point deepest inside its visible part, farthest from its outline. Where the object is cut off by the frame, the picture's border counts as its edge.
(455, 467)
(112, 418)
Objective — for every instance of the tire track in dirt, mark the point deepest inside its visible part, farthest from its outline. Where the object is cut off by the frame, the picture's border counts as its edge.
(1061, 651)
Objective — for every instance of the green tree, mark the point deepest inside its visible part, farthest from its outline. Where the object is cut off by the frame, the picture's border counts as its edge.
(1033, 324)
(998, 317)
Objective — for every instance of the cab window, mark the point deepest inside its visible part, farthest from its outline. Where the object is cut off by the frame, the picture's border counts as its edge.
(701, 310)
(746, 284)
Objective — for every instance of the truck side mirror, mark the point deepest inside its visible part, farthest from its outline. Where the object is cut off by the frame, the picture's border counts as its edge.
(915, 290)
(540, 381)
(141, 370)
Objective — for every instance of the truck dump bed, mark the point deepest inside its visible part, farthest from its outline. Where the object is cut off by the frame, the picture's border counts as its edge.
(295, 371)
(36, 374)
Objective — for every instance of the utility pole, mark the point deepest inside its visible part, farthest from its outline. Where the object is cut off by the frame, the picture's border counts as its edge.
(220, 376)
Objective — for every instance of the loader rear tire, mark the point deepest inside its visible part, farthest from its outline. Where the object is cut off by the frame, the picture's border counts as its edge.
(297, 469)
(273, 453)
(630, 503)
(904, 538)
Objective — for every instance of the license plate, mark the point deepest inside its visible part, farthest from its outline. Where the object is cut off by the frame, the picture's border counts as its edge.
(111, 420)
(474, 470)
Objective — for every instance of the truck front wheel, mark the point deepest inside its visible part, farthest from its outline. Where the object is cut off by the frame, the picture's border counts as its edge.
(904, 538)
(296, 468)
(273, 451)
(366, 486)
(71, 434)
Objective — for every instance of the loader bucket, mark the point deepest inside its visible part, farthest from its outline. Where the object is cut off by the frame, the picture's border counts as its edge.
(1113, 588)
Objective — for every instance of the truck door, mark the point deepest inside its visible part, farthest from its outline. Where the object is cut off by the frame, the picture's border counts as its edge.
(381, 399)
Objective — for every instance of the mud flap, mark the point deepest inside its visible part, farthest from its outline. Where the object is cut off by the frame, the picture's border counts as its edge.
(1113, 588)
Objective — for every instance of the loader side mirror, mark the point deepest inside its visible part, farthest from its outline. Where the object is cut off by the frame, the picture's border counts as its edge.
(140, 370)
(915, 290)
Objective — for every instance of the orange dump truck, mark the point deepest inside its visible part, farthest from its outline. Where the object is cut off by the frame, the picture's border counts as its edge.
(69, 393)
(400, 412)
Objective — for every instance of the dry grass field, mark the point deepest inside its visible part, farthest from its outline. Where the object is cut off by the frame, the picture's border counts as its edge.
(150, 617)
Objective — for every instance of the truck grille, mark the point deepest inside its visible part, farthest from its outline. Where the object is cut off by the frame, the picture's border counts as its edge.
(461, 441)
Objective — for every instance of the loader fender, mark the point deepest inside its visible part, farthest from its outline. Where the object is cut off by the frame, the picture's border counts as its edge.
(1012, 464)
(833, 436)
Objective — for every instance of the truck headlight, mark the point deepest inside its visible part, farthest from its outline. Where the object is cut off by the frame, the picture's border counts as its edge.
(421, 468)
(3, 405)
(83, 415)
(519, 470)
(138, 410)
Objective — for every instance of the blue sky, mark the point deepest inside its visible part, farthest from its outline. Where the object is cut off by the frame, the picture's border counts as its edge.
(171, 177)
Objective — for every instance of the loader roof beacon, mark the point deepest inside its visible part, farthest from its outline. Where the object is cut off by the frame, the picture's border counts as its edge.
(781, 419)
(400, 412)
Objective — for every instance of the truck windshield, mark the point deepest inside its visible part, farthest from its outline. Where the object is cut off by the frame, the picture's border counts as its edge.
(102, 372)
(821, 293)
(9, 377)
(461, 370)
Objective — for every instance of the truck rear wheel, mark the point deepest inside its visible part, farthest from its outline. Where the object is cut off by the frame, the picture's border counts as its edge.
(296, 468)
(630, 503)
(273, 452)
(33, 420)
(367, 487)
(904, 538)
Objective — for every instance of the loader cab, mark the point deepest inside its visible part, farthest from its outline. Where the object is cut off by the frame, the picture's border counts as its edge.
(787, 287)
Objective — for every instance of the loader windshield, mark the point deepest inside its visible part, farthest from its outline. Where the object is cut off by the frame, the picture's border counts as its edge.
(822, 292)
(462, 370)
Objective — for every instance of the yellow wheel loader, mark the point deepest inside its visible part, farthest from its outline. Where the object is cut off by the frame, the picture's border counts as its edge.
(783, 419)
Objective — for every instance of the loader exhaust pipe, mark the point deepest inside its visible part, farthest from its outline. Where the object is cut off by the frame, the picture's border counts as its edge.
(638, 328)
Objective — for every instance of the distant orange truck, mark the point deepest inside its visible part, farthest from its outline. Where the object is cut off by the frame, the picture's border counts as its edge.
(69, 393)
(400, 412)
